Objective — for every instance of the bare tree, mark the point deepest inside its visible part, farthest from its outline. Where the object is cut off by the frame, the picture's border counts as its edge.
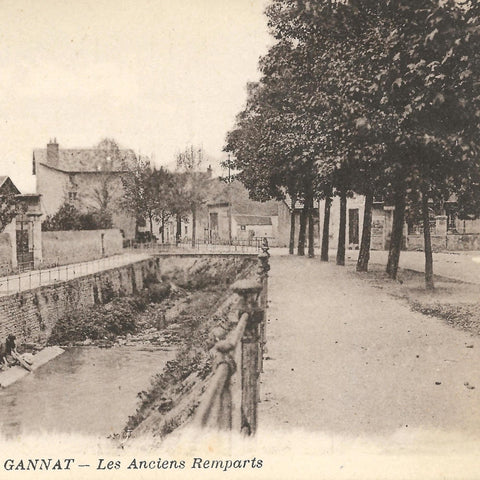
(189, 163)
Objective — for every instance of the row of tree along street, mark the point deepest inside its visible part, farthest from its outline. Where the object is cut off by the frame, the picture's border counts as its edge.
(158, 194)
(381, 98)
(147, 193)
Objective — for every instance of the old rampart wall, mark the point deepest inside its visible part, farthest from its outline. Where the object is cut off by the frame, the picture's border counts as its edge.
(31, 314)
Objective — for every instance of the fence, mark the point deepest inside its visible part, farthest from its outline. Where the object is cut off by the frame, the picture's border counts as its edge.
(202, 246)
(37, 278)
(231, 398)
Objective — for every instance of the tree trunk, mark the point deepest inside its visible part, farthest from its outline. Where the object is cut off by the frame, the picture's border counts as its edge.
(311, 236)
(150, 218)
(326, 229)
(291, 245)
(427, 244)
(397, 234)
(302, 231)
(194, 225)
(178, 235)
(163, 229)
(342, 229)
(364, 253)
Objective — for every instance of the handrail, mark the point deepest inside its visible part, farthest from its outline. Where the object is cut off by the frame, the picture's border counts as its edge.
(10, 284)
(236, 245)
(225, 368)
(217, 405)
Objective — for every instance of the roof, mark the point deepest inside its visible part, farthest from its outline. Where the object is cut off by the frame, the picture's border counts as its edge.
(241, 202)
(252, 220)
(288, 203)
(7, 186)
(86, 159)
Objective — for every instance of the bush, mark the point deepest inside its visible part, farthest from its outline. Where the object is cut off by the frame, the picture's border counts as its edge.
(69, 217)
(159, 291)
(98, 322)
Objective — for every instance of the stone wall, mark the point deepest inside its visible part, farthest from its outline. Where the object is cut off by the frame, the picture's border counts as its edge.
(463, 242)
(415, 242)
(31, 315)
(64, 247)
(448, 242)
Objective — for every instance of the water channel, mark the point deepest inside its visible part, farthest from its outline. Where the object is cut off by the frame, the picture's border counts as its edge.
(86, 390)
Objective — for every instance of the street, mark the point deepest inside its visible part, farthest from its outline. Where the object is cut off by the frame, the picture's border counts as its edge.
(346, 359)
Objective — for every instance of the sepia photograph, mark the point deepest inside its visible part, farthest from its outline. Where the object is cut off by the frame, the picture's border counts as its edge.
(240, 239)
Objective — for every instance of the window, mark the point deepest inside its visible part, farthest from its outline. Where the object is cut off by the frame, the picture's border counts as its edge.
(186, 230)
(243, 227)
(72, 196)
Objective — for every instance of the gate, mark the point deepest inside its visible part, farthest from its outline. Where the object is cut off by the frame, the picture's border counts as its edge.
(24, 252)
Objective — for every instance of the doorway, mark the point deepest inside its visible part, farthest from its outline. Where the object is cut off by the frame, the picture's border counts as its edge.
(353, 233)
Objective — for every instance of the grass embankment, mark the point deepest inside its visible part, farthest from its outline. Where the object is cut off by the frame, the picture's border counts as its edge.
(175, 392)
(453, 301)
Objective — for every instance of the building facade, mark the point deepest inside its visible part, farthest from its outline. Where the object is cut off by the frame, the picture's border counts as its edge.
(89, 178)
(233, 215)
(448, 233)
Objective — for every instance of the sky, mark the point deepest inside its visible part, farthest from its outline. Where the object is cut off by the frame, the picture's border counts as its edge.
(154, 75)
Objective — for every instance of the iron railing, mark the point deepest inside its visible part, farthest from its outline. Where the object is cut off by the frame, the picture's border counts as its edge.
(36, 278)
(253, 245)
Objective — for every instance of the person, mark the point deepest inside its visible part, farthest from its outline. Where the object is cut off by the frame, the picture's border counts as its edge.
(11, 353)
(265, 247)
(3, 355)
(13, 357)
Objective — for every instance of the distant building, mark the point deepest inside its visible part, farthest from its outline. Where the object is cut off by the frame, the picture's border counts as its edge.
(382, 218)
(231, 213)
(85, 177)
(448, 233)
(285, 218)
(21, 239)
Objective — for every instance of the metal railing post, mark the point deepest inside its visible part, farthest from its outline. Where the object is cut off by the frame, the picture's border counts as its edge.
(262, 272)
(249, 290)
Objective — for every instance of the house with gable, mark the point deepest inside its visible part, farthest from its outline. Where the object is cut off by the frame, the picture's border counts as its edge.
(88, 178)
(232, 213)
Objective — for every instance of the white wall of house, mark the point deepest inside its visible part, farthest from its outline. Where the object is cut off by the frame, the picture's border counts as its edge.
(251, 231)
(355, 211)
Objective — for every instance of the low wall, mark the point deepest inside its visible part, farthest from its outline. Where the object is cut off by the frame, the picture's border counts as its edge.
(442, 243)
(64, 247)
(463, 242)
(415, 242)
(31, 315)
(5, 254)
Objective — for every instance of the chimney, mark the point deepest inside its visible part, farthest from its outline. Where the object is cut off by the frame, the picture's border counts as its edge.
(52, 153)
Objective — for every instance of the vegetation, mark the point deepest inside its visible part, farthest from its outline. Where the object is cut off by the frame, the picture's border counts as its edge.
(377, 98)
(194, 183)
(158, 194)
(101, 322)
(9, 208)
(69, 217)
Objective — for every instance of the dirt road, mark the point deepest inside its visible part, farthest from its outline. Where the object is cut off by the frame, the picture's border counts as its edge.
(344, 358)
